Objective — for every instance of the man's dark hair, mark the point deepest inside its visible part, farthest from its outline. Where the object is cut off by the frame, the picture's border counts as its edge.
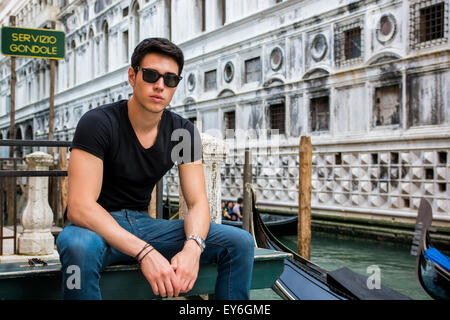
(240, 200)
(157, 45)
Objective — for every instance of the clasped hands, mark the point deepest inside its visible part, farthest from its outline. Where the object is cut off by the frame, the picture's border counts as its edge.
(178, 276)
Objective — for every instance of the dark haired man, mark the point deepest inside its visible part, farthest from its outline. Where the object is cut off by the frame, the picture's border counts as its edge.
(118, 153)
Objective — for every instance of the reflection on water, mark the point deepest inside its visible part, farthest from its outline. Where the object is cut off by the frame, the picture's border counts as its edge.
(396, 264)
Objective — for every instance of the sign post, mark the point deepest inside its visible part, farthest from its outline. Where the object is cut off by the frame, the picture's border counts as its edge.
(10, 198)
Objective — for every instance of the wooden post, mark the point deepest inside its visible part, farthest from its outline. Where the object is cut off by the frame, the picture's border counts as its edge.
(63, 184)
(53, 181)
(11, 186)
(51, 110)
(12, 23)
(247, 210)
(304, 197)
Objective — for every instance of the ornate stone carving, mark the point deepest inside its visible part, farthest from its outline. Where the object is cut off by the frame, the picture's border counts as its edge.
(386, 29)
(276, 58)
(214, 153)
(319, 47)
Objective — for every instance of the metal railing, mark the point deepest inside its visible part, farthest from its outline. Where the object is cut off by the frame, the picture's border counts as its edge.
(9, 172)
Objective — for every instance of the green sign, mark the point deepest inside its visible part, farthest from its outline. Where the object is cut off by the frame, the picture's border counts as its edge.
(33, 43)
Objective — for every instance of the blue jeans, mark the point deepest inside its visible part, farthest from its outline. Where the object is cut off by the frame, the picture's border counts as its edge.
(229, 247)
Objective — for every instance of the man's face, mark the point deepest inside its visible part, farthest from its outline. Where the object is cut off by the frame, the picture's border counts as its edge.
(154, 97)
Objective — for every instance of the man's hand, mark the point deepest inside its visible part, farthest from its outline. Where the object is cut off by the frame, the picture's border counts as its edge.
(186, 264)
(160, 274)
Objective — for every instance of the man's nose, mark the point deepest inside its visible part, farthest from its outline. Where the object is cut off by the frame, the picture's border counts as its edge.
(159, 84)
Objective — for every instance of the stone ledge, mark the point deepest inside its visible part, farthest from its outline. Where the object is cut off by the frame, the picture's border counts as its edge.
(10, 258)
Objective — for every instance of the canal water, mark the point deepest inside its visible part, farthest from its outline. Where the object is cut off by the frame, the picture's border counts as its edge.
(330, 251)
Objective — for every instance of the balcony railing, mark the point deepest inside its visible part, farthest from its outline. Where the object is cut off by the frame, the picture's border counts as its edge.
(11, 187)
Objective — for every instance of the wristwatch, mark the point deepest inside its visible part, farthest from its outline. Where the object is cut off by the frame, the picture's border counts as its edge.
(199, 240)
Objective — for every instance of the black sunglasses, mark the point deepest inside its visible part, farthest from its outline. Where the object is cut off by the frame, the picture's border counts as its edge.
(151, 76)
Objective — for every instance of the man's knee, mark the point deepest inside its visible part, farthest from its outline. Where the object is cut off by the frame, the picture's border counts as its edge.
(243, 240)
(79, 243)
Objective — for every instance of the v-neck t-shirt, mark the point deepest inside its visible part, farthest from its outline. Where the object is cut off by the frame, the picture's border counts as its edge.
(130, 171)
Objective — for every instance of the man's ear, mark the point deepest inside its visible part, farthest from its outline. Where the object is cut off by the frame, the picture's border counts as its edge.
(131, 76)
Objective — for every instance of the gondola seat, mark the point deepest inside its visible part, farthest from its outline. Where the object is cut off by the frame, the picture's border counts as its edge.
(438, 258)
(20, 281)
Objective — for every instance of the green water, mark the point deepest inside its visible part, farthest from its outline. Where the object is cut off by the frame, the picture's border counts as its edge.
(396, 265)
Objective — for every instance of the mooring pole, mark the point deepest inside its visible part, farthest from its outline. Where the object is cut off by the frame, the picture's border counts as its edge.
(304, 197)
(247, 210)
(12, 23)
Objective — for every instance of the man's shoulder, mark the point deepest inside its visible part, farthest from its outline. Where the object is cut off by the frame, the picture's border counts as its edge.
(103, 114)
(177, 120)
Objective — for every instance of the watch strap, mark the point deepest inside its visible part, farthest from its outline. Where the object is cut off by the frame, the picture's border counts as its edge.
(198, 240)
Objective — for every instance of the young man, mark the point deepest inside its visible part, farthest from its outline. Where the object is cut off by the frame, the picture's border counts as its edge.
(118, 153)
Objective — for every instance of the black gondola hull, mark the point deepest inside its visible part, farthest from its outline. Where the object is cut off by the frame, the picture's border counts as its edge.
(434, 279)
(280, 225)
(304, 280)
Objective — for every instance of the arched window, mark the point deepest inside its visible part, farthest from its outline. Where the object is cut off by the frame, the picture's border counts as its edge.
(135, 22)
(28, 136)
(18, 150)
(168, 19)
(98, 6)
(91, 54)
(74, 62)
(105, 46)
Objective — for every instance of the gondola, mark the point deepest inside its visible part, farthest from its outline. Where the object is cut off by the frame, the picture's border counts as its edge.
(304, 280)
(432, 266)
(277, 224)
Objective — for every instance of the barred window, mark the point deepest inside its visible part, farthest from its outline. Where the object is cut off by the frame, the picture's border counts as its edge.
(320, 114)
(277, 115)
(349, 43)
(211, 80)
(253, 70)
(230, 120)
(428, 23)
(353, 43)
(432, 22)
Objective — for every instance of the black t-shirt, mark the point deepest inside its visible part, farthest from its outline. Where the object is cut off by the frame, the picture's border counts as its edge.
(130, 171)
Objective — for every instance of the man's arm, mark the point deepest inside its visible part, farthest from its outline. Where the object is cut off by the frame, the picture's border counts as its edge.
(85, 175)
(196, 222)
(192, 181)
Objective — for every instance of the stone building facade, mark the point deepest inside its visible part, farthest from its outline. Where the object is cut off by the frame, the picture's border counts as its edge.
(367, 80)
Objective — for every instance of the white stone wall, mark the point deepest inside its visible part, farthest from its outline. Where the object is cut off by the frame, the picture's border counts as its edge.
(309, 35)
